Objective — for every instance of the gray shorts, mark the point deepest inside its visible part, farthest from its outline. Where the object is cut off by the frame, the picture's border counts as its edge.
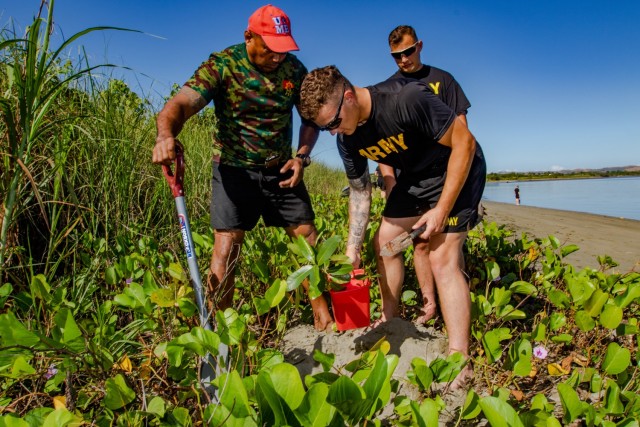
(241, 196)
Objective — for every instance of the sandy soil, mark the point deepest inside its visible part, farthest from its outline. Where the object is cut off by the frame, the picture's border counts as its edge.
(594, 234)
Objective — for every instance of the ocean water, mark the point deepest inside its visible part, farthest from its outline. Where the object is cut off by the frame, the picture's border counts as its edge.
(617, 197)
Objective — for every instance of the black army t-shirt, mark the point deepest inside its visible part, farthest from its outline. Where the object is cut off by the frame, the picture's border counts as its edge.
(442, 84)
(406, 122)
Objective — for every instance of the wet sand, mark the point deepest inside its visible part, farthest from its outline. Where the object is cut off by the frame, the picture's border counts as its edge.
(594, 234)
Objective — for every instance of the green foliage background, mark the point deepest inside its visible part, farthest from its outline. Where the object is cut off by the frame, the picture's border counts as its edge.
(99, 325)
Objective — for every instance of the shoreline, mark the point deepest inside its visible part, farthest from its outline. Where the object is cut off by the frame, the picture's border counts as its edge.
(595, 234)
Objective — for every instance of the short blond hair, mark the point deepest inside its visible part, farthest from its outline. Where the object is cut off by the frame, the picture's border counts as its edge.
(318, 88)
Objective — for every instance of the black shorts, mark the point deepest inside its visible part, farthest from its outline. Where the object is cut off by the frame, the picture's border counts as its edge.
(241, 196)
(411, 198)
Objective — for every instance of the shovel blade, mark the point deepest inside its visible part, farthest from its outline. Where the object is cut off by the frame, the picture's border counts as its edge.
(396, 245)
(402, 242)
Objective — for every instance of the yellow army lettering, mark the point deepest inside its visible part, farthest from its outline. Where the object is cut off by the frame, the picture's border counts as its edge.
(435, 87)
(384, 146)
(453, 220)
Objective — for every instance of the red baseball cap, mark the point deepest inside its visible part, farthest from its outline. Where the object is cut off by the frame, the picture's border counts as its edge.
(274, 26)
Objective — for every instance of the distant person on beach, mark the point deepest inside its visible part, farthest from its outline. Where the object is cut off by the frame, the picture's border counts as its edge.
(517, 191)
(254, 86)
(406, 48)
(379, 182)
(442, 173)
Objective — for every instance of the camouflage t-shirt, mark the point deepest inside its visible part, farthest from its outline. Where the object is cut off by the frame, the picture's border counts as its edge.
(253, 108)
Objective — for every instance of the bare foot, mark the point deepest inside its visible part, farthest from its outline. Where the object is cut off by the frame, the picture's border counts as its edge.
(463, 379)
(322, 320)
(428, 312)
(379, 322)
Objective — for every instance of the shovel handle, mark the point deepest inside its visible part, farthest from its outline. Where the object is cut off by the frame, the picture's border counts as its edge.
(176, 179)
(418, 231)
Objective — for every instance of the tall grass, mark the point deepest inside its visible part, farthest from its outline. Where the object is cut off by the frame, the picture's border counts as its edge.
(75, 152)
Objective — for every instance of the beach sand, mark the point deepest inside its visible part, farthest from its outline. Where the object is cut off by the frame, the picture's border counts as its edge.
(595, 234)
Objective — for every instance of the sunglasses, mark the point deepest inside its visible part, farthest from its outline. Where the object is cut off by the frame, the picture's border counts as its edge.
(407, 52)
(335, 122)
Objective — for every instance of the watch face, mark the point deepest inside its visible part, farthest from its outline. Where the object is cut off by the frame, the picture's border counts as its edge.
(306, 160)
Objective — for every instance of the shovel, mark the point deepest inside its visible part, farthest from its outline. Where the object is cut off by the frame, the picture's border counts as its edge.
(209, 366)
(401, 242)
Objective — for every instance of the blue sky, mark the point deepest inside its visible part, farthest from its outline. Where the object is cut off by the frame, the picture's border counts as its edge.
(553, 84)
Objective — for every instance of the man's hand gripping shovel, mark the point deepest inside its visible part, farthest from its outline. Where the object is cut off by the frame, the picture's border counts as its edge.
(210, 368)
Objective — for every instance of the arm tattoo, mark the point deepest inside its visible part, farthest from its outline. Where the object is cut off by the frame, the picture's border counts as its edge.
(359, 207)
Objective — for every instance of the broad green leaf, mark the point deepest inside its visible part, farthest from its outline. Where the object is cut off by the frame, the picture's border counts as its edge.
(563, 338)
(302, 248)
(569, 249)
(276, 292)
(233, 396)
(326, 360)
(62, 418)
(281, 387)
(524, 288)
(376, 386)
(557, 321)
(157, 407)
(539, 333)
(262, 305)
(612, 402)
(584, 321)
(163, 297)
(327, 248)
(314, 410)
(491, 343)
(594, 305)
(230, 326)
(611, 316)
(426, 413)
(580, 289)
(571, 403)
(117, 393)
(471, 408)
(111, 276)
(421, 374)
(499, 297)
(13, 332)
(631, 294)
(261, 269)
(493, 270)
(21, 368)
(11, 420)
(68, 332)
(499, 413)
(348, 398)
(40, 288)
(616, 359)
(298, 276)
(176, 271)
(559, 298)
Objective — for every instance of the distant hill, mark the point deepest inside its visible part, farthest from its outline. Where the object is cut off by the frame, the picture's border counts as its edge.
(608, 172)
(632, 168)
(609, 169)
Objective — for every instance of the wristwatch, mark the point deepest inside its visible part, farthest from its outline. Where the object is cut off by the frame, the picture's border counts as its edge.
(306, 159)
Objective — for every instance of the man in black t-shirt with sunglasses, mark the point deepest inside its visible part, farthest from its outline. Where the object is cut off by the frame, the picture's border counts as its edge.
(405, 50)
(400, 123)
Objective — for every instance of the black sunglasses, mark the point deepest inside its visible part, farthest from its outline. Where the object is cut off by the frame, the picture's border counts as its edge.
(335, 122)
(407, 52)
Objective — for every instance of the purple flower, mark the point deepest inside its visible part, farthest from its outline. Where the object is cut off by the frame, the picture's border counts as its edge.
(540, 352)
(51, 371)
(129, 280)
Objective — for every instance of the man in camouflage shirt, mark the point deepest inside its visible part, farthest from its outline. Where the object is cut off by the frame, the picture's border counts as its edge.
(254, 87)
